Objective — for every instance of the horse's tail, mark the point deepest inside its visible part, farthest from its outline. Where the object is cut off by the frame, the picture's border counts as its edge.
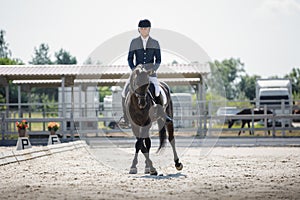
(162, 140)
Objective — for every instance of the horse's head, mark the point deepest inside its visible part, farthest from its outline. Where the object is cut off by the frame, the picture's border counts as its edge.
(139, 84)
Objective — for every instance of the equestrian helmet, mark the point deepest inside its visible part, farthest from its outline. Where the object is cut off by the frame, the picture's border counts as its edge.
(144, 23)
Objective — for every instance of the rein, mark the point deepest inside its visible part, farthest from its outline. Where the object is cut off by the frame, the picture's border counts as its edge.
(142, 96)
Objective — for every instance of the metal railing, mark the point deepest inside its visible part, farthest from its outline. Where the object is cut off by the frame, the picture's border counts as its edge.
(92, 120)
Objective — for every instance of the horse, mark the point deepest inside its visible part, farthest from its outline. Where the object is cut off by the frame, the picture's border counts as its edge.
(296, 111)
(140, 107)
(247, 111)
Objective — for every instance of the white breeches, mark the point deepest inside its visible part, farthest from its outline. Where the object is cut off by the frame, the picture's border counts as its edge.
(156, 84)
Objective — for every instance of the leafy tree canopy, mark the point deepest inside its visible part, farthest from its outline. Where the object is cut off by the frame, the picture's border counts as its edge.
(224, 76)
(64, 57)
(4, 51)
(41, 55)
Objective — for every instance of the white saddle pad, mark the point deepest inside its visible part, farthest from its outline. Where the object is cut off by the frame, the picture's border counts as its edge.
(163, 95)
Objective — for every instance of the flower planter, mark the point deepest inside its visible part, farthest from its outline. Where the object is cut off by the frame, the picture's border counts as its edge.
(52, 132)
(53, 127)
(22, 132)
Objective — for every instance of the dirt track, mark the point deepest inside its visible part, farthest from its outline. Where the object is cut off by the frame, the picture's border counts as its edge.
(226, 173)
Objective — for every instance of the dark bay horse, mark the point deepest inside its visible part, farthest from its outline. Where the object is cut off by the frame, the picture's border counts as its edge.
(296, 111)
(247, 111)
(140, 103)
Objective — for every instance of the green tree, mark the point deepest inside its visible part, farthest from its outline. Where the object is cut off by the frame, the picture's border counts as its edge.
(5, 59)
(8, 61)
(41, 55)
(104, 91)
(13, 90)
(4, 51)
(64, 57)
(224, 77)
(246, 86)
(294, 76)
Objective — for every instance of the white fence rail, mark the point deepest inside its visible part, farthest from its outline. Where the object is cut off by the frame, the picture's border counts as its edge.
(202, 122)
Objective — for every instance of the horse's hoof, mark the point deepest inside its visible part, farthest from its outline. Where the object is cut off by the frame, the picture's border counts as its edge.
(133, 170)
(179, 167)
(153, 173)
(147, 170)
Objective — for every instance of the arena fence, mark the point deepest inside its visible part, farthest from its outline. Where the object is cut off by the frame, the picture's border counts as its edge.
(96, 122)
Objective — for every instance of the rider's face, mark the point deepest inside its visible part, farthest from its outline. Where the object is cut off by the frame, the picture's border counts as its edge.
(144, 31)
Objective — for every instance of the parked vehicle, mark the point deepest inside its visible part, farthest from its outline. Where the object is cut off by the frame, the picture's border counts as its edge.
(224, 112)
(276, 94)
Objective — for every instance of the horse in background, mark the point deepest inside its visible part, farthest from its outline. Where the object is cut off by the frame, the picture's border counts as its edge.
(140, 105)
(248, 111)
(296, 111)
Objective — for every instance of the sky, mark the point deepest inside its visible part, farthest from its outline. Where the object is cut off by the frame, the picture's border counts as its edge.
(263, 34)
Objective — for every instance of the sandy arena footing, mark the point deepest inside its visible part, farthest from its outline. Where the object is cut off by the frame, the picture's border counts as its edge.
(225, 173)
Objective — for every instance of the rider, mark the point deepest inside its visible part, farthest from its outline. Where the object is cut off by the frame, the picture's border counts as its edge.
(146, 51)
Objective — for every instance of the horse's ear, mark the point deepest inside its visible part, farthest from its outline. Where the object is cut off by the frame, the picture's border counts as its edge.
(137, 72)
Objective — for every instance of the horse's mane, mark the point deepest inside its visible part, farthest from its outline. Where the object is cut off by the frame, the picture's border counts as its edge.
(138, 69)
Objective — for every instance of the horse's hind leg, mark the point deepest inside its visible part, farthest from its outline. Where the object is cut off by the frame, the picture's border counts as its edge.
(171, 138)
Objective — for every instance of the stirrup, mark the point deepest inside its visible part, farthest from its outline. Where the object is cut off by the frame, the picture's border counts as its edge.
(123, 123)
(168, 119)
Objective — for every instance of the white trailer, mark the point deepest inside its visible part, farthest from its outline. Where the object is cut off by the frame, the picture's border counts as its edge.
(113, 106)
(182, 107)
(276, 94)
(85, 105)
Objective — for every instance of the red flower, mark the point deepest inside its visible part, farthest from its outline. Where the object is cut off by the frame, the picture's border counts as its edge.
(22, 125)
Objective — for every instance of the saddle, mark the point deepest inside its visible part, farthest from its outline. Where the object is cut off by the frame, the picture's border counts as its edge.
(151, 92)
(162, 96)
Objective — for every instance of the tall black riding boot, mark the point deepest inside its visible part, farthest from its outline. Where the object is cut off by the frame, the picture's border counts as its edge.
(124, 120)
(158, 100)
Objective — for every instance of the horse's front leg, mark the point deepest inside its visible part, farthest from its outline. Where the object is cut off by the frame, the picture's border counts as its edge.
(249, 128)
(145, 148)
(148, 146)
(133, 168)
(243, 124)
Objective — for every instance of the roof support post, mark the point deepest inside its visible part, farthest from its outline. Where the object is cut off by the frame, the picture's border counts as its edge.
(198, 94)
(79, 104)
(203, 100)
(7, 99)
(72, 113)
(19, 102)
(64, 123)
(29, 105)
(7, 107)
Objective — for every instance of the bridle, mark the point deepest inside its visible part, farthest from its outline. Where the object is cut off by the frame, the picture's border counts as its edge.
(141, 97)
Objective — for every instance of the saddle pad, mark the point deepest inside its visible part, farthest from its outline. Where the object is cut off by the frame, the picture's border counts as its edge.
(164, 96)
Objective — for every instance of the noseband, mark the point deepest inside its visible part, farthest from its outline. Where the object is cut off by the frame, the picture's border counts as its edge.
(141, 97)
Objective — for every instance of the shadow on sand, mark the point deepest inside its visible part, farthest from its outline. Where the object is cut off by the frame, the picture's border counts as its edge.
(168, 176)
